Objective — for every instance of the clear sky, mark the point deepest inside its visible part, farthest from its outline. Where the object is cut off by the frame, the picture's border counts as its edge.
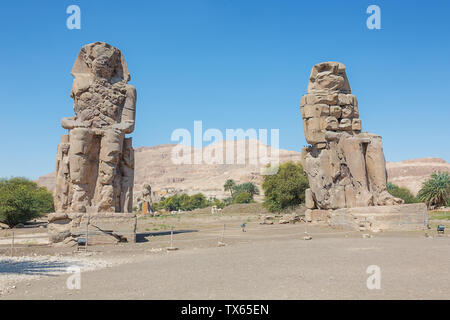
(230, 63)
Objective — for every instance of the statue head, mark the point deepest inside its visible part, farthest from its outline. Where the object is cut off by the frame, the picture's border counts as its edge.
(329, 77)
(101, 60)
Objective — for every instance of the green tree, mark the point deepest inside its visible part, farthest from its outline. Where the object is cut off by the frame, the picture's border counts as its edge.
(229, 186)
(198, 201)
(182, 202)
(243, 197)
(436, 190)
(286, 188)
(22, 200)
(249, 187)
(402, 193)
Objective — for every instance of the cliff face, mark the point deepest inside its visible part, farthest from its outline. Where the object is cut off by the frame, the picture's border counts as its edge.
(154, 166)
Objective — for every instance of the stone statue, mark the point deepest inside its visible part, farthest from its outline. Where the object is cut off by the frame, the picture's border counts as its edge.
(95, 161)
(147, 199)
(345, 167)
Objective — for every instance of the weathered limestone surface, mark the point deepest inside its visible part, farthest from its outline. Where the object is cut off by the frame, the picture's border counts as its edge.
(345, 167)
(316, 216)
(405, 217)
(103, 228)
(95, 161)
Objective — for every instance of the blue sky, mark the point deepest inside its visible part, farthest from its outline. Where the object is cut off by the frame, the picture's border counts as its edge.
(230, 63)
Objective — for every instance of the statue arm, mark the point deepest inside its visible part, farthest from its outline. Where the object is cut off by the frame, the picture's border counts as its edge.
(71, 122)
(128, 112)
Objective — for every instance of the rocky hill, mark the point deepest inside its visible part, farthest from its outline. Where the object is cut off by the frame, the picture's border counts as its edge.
(412, 173)
(154, 165)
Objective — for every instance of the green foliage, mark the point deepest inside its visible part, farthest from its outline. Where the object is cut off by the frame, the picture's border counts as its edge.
(402, 193)
(229, 186)
(286, 188)
(240, 193)
(436, 190)
(197, 201)
(182, 202)
(227, 201)
(243, 197)
(22, 200)
(218, 203)
(248, 187)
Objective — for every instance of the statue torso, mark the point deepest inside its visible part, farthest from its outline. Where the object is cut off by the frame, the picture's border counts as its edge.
(98, 103)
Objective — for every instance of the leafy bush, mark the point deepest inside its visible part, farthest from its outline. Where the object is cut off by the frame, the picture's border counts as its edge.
(243, 197)
(22, 200)
(240, 193)
(182, 202)
(248, 187)
(436, 190)
(286, 188)
(402, 193)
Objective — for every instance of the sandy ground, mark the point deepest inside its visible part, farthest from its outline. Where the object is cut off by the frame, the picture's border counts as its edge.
(266, 262)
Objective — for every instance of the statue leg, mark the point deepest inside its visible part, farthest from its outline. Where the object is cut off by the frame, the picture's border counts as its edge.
(127, 170)
(108, 173)
(376, 172)
(354, 150)
(61, 197)
(79, 154)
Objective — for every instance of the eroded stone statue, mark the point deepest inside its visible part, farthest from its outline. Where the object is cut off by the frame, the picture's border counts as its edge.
(345, 167)
(95, 161)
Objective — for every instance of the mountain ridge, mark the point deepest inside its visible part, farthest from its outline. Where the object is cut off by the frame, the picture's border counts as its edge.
(154, 166)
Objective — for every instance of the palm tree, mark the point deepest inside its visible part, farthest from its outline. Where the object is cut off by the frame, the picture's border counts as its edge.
(229, 186)
(249, 187)
(436, 191)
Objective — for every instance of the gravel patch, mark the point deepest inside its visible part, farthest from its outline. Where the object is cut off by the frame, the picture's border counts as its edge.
(27, 268)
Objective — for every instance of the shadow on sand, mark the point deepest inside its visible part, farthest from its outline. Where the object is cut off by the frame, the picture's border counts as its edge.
(142, 237)
(30, 267)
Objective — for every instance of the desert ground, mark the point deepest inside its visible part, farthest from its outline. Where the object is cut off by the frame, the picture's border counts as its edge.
(265, 262)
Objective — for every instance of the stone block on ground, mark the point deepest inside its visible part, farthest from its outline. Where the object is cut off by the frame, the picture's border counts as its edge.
(104, 228)
(405, 217)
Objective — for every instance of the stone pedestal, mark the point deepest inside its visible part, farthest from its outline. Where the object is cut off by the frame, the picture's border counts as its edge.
(317, 216)
(103, 228)
(406, 217)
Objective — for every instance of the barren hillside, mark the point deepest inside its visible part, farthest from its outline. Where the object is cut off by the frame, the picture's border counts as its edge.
(412, 173)
(155, 165)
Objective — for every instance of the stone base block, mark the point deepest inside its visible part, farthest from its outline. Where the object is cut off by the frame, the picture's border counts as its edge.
(316, 216)
(103, 228)
(405, 217)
